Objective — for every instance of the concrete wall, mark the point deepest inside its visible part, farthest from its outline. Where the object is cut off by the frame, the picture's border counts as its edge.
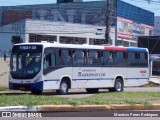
(4, 72)
(6, 33)
(5, 43)
(64, 29)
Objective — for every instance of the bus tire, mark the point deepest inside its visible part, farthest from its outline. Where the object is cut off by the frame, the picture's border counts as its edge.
(92, 90)
(118, 86)
(36, 92)
(63, 88)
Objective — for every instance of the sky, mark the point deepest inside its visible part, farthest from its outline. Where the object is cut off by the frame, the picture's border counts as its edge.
(153, 6)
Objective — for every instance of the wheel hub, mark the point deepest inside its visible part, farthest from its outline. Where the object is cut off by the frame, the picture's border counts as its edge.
(118, 86)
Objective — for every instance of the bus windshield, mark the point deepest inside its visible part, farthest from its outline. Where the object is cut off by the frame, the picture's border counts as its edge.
(25, 63)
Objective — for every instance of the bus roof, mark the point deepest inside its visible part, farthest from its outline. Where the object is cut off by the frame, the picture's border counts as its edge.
(86, 46)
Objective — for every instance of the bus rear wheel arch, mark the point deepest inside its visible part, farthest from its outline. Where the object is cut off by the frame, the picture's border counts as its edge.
(64, 86)
(118, 85)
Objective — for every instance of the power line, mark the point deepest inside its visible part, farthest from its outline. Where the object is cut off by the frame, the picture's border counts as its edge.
(149, 1)
(145, 1)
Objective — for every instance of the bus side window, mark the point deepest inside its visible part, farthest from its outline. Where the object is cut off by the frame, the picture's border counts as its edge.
(94, 57)
(143, 59)
(78, 57)
(65, 57)
(120, 58)
(132, 59)
(49, 59)
(111, 57)
(106, 57)
(99, 57)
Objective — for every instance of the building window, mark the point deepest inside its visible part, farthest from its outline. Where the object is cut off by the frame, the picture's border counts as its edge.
(39, 38)
(72, 40)
(16, 40)
(93, 41)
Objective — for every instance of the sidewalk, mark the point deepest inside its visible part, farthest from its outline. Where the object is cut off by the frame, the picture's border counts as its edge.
(155, 79)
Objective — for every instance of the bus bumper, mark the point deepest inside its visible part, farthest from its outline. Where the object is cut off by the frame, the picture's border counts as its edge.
(29, 87)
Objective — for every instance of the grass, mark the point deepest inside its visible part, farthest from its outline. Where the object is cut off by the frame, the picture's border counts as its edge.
(3, 88)
(151, 84)
(97, 99)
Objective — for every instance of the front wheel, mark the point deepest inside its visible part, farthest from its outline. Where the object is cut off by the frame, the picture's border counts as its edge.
(63, 88)
(118, 87)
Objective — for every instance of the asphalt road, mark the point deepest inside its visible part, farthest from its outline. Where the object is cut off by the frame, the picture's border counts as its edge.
(93, 116)
(80, 93)
(83, 118)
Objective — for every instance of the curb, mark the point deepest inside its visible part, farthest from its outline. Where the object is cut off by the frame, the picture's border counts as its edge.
(14, 92)
(18, 108)
(68, 108)
(90, 108)
(81, 108)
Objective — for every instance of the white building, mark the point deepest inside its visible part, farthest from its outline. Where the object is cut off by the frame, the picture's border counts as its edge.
(37, 30)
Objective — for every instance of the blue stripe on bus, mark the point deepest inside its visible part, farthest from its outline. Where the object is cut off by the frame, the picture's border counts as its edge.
(136, 49)
(110, 79)
(98, 79)
(52, 80)
(135, 78)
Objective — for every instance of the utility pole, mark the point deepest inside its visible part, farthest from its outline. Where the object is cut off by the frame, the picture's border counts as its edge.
(108, 10)
(111, 20)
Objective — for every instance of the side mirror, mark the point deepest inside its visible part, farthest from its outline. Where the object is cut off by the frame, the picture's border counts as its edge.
(5, 56)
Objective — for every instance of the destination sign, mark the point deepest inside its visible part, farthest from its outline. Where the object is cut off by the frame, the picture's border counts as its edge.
(27, 48)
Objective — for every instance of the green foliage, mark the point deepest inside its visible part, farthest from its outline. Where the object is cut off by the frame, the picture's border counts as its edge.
(96, 99)
(3, 88)
(151, 84)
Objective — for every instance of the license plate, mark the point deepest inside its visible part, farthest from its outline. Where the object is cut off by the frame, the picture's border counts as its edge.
(22, 88)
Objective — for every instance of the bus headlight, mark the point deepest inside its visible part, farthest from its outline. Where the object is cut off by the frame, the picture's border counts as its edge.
(37, 79)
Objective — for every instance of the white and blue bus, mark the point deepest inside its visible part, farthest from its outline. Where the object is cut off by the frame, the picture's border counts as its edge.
(51, 66)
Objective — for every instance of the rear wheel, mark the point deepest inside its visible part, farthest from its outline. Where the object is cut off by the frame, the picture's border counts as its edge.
(63, 88)
(92, 90)
(36, 92)
(118, 87)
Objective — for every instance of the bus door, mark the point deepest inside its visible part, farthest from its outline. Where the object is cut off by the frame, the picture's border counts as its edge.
(49, 66)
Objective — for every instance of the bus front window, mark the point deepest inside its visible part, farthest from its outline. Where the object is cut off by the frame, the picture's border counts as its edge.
(25, 63)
